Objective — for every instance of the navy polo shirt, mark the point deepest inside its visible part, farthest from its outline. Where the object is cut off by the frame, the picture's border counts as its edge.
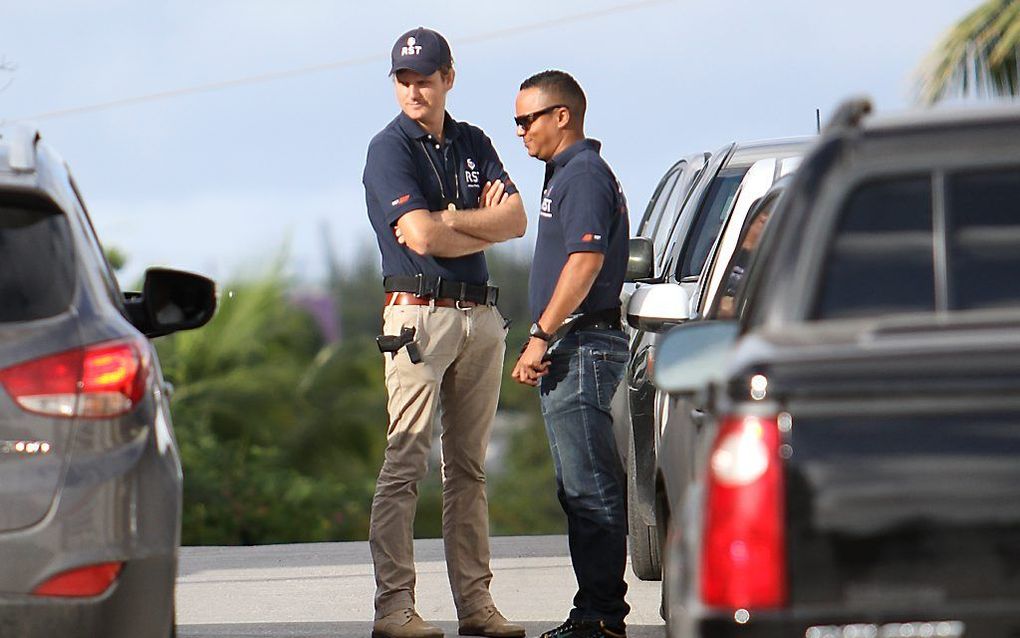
(408, 169)
(583, 210)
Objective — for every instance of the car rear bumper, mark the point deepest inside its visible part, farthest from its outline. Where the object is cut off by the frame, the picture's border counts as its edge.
(948, 621)
(138, 605)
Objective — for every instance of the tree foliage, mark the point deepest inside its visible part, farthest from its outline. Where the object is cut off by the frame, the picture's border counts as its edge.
(979, 56)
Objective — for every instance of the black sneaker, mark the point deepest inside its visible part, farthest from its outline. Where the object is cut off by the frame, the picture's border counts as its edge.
(583, 629)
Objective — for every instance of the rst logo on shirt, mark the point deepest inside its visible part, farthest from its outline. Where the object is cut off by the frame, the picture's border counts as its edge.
(591, 237)
(546, 207)
(471, 176)
(400, 200)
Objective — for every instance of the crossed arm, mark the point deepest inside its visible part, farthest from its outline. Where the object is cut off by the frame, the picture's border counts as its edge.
(455, 233)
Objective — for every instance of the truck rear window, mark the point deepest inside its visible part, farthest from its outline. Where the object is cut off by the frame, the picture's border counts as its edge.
(881, 260)
(984, 218)
(36, 263)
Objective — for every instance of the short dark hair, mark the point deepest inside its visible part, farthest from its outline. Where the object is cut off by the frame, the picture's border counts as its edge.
(563, 87)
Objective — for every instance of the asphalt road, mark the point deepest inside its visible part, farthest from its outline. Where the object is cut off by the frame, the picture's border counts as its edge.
(325, 589)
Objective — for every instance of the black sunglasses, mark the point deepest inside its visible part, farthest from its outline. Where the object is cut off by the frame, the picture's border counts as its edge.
(525, 121)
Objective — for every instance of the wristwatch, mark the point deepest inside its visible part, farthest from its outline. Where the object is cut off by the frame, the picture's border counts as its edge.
(537, 332)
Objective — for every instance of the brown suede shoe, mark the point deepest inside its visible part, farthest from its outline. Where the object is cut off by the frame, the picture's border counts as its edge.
(404, 623)
(488, 622)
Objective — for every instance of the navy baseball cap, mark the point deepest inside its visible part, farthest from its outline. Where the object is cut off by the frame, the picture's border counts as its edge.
(421, 50)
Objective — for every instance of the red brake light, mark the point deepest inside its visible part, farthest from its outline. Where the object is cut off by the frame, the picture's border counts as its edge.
(102, 380)
(92, 580)
(743, 562)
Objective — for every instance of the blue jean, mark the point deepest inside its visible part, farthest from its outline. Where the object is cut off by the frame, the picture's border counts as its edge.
(586, 369)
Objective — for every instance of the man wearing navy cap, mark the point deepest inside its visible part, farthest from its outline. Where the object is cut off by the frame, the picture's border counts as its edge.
(437, 197)
(577, 351)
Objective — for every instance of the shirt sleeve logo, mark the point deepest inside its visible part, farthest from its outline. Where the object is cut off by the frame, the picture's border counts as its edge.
(403, 199)
(591, 237)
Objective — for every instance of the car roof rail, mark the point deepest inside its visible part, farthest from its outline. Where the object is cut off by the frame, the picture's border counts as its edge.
(20, 141)
(848, 114)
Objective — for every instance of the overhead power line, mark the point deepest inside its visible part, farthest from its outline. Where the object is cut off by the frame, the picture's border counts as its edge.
(272, 76)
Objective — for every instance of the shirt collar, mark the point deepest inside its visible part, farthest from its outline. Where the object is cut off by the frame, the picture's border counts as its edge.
(415, 131)
(564, 156)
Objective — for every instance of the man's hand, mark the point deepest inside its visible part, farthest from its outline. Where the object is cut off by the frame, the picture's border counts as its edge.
(493, 194)
(530, 366)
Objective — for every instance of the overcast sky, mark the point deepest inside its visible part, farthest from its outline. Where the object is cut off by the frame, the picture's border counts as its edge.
(218, 181)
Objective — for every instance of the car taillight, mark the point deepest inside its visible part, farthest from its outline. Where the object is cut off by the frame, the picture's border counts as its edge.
(91, 580)
(743, 562)
(101, 380)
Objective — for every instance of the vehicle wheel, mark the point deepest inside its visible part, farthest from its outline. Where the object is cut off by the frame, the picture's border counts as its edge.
(642, 538)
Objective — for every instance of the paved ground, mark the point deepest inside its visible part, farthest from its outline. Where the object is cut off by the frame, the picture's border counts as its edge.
(325, 589)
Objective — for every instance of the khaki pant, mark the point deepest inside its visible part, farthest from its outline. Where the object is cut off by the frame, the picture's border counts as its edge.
(463, 363)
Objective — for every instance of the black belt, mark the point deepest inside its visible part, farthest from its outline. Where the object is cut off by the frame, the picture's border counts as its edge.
(608, 319)
(439, 288)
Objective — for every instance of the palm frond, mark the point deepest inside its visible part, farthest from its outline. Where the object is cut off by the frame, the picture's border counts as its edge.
(977, 57)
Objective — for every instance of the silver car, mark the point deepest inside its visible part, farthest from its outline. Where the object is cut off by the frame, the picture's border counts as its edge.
(674, 278)
(90, 476)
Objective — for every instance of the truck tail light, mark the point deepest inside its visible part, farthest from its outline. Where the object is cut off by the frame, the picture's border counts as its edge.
(97, 381)
(91, 580)
(743, 562)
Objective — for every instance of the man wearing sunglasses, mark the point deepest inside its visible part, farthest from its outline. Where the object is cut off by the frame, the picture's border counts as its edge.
(437, 196)
(577, 351)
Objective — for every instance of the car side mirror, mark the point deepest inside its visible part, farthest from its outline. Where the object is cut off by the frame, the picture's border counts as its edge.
(641, 262)
(692, 356)
(657, 306)
(170, 301)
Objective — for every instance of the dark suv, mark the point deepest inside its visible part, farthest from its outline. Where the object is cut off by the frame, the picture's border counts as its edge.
(857, 460)
(90, 479)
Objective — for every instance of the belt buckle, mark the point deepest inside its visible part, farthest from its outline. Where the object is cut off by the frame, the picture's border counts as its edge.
(457, 305)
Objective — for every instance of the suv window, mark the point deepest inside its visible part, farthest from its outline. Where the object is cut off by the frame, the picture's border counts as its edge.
(733, 289)
(984, 251)
(658, 203)
(36, 262)
(98, 254)
(881, 260)
(709, 220)
(672, 210)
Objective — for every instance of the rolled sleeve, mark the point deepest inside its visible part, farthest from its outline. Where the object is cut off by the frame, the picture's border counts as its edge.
(586, 212)
(492, 167)
(391, 180)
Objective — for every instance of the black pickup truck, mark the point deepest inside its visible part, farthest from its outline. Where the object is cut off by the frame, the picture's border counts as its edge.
(856, 456)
